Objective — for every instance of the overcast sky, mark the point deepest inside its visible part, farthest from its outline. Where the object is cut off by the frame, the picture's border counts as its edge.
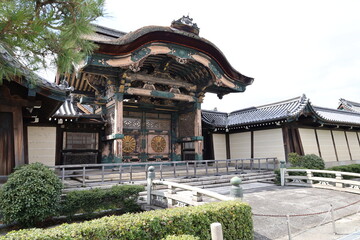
(290, 47)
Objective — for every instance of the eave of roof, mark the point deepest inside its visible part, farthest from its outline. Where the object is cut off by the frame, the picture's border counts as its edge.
(288, 110)
(134, 40)
(31, 80)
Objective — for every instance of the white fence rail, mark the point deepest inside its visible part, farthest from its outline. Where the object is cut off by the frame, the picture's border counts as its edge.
(322, 179)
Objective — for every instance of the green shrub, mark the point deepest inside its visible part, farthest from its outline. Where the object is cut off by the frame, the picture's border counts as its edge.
(353, 168)
(294, 159)
(235, 217)
(122, 197)
(309, 161)
(31, 195)
(181, 237)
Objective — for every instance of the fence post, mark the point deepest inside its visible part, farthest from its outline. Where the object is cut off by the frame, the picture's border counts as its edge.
(288, 226)
(216, 231)
(309, 175)
(236, 190)
(282, 172)
(150, 178)
(338, 177)
(333, 219)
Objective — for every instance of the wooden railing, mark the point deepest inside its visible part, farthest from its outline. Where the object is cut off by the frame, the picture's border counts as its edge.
(323, 179)
(87, 174)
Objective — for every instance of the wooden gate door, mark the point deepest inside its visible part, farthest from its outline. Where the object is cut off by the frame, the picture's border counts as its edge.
(146, 136)
(7, 157)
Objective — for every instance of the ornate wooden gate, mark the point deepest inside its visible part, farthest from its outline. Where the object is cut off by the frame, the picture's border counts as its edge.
(146, 136)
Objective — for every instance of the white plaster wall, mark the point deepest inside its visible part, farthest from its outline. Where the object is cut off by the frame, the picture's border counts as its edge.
(353, 145)
(240, 145)
(308, 140)
(42, 144)
(269, 143)
(326, 145)
(341, 146)
(219, 144)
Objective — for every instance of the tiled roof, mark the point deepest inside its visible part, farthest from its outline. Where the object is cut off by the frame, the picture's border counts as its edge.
(32, 80)
(281, 111)
(270, 112)
(70, 110)
(349, 105)
(336, 116)
(218, 119)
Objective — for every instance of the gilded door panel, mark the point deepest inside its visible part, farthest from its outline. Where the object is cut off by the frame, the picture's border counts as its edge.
(158, 144)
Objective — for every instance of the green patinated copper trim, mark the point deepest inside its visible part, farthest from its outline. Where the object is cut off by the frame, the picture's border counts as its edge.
(181, 52)
(175, 157)
(162, 94)
(198, 156)
(117, 159)
(119, 96)
(97, 59)
(92, 100)
(140, 54)
(190, 139)
(213, 66)
(113, 136)
(239, 87)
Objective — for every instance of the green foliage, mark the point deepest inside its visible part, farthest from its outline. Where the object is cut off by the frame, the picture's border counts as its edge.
(235, 217)
(353, 168)
(89, 201)
(35, 30)
(309, 161)
(31, 195)
(294, 159)
(181, 237)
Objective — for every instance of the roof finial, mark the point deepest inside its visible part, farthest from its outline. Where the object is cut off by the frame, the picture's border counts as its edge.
(186, 24)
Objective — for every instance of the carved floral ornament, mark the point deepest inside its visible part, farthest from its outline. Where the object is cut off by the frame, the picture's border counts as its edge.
(158, 144)
(129, 144)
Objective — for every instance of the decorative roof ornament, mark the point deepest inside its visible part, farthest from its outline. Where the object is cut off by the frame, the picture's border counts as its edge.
(186, 24)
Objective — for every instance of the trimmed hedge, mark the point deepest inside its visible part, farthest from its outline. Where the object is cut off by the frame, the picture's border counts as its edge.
(353, 168)
(181, 237)
(122, 197)
(235, 217)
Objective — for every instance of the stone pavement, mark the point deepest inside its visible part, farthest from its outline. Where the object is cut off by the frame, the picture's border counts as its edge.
(309, 210)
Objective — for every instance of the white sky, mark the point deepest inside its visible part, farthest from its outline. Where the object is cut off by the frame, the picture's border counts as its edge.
(290, 47)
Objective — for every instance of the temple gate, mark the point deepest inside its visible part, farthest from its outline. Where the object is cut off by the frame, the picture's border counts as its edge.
(149, 85)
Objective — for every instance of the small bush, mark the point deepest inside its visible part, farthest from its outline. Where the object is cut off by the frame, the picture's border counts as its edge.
(122, 197)
(294, 159)
(234, 216)
(309, 161)
(181, 237)
(31, 195)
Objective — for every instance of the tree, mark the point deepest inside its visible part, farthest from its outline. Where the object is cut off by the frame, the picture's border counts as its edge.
(34, 31)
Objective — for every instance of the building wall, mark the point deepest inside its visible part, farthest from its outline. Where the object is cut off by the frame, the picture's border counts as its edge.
(354, 145)
(308, 139)
(219, 145)
(269, 143)
(240, 145)
(42, 145)
(336, 146)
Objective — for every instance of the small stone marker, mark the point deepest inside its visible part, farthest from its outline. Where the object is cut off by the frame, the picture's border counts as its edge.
(216, 231)
(236, 190)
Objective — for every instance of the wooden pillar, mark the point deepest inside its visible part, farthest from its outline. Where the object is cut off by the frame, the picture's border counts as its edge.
(198, 143)
(118, 127)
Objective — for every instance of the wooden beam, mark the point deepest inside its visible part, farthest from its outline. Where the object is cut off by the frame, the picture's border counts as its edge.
(165, 81)
(159, 94)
